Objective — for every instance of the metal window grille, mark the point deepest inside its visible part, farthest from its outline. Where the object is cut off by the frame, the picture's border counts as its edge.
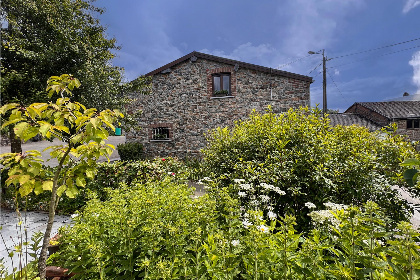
(160, 133)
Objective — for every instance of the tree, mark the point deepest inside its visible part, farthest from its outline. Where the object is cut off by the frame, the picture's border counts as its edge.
(45, 37)
(83, 130)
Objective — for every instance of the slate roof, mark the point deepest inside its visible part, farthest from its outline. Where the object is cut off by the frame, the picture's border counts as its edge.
(352, 119)
(394, 109)
(232, 62)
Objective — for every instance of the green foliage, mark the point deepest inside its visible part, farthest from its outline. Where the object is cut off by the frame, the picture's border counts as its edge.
(300, 154)
(411, 175)
(107, 176)
(157, 231)
(130, 151)
(83, 130)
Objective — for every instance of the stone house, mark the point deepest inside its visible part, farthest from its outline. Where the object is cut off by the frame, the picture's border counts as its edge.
(199, 92)
(375, 115)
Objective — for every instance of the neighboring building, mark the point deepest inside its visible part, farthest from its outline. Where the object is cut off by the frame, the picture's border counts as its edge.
(198, 92)
(406, 114)
(352, 119)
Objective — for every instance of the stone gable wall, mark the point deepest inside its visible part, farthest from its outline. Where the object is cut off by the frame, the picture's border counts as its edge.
(182, 100)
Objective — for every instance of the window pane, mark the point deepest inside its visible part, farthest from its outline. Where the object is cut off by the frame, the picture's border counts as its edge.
(409, 123)
(216, 83)
(416, 123)
(226, 82)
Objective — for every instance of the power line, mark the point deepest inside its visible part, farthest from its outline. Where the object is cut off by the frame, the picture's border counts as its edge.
(359, 60)
(337, 87)
(315, 68)
(291, 62)
(370, 50)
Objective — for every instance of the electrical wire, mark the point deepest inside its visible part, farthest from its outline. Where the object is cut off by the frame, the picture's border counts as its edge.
(359, 60)
(337, 87)
(315, 68)
(370, 50)
(291, 62)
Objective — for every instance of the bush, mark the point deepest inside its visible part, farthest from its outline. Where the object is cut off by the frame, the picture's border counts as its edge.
(130, 151)
(157, 231)
(299, 153)
(108, 176)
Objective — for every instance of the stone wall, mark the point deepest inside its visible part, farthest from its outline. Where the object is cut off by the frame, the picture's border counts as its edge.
(182, 100)
(413, 134)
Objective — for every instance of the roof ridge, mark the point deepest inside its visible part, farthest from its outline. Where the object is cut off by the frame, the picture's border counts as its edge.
(232, 62)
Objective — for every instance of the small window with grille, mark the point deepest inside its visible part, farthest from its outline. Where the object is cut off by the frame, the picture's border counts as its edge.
(160, 133)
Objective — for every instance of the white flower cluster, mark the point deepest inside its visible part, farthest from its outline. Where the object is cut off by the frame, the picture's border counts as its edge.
(321, 217)
(273, 188)
(235, 243)
(310, 205)
(334, 206)
(247, 187)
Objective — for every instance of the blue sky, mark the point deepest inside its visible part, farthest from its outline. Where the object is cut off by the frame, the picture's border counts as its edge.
(273, 33)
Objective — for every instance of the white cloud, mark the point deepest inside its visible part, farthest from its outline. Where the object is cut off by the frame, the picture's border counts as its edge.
(261, 54)
(415, 62)
(410, 4)
(336, 72)
(313, 23)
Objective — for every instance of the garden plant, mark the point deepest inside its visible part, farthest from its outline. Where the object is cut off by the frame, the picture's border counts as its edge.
(83, 131)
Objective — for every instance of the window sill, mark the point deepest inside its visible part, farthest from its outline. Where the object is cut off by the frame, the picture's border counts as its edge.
(161, 140)
(222, 97)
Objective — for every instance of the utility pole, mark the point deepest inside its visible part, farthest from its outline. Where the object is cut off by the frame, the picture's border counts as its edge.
(324, 79)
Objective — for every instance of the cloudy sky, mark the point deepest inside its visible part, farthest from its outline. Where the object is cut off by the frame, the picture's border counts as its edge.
(374, 45)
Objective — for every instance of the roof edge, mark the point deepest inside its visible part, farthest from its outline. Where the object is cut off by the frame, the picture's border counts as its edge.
(231, 62)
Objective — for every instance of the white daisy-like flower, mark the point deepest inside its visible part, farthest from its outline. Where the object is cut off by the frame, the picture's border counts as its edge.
(271, 215)
(310, 205)
(242, 194)
(235, 242)
(263, 228)
(246, 223)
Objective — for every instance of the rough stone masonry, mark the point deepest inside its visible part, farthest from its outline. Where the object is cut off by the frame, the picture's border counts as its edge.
(183, 101)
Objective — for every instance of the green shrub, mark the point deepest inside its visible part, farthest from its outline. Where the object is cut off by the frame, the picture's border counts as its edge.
(299, 153)
(130, 151)
(157, 231)
(108, 176)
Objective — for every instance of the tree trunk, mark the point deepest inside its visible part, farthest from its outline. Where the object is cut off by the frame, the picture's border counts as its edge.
(15, 143)
(42, 262)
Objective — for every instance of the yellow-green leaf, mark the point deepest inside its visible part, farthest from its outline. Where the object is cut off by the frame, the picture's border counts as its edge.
(20, 129)
(27, 188)
(23, 179)
(90, 173)
(80, 181)
(71, 191)
(61, 190)
(38, 187)
(47, 185)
